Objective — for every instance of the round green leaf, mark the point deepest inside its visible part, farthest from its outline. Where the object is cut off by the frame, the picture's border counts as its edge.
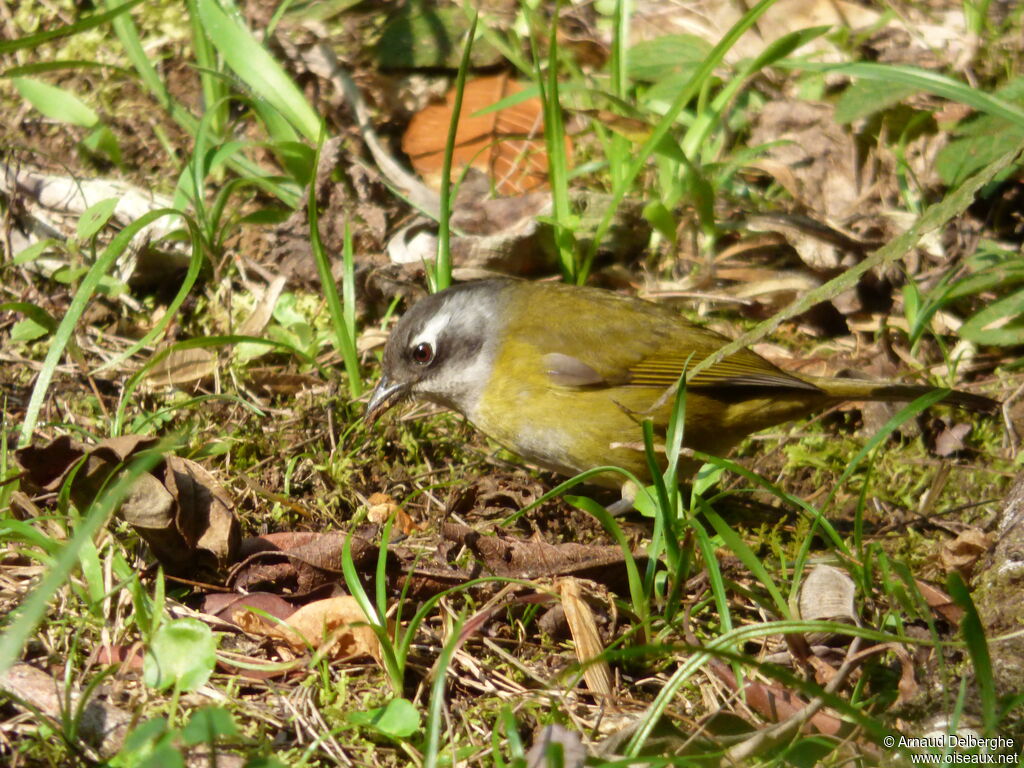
(182, 652)
(398, 719)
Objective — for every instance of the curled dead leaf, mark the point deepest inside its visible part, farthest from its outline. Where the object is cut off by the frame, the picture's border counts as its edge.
(963, 553)
(380, 507)
(178, 508)
(950, 439)
(828, 594)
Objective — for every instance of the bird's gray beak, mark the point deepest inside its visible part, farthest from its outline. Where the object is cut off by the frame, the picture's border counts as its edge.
(384, 396)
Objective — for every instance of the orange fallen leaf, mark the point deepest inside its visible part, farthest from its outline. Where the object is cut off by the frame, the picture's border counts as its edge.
(380, 507)
(508, 144)
(335, 626)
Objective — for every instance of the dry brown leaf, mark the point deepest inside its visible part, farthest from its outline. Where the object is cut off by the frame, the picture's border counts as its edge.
(940, 602)
(963, 553)
(907, 685)
(827, 594)
(821, 156)
(128, 658)
(205, 515)
(380, 507)
(274, 381)
(508, 145)
(182, 366)
(178, 508)
(580, 617)
(777, 704)
(231, 607)
(300, 560)
(537, 559)
(336, 626)
(264, 310)
(950, 439)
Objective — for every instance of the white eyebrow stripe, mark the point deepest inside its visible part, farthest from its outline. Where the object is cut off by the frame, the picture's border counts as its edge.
(432, 330)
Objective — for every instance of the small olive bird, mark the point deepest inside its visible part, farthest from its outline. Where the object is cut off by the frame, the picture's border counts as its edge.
(565, 375)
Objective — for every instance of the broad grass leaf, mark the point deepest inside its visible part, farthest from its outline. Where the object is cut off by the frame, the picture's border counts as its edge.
(56, 103)
(866, 97)
(1000, 323)
(95, 217)
(207, 725)
(984, 141)
(257, 68)
(654, 60)
(421, 36)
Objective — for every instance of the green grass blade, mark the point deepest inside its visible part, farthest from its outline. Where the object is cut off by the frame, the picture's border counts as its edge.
(910, 410)
(922, 79)
(689, 91)
(215, 90)
(440, 276)
(257, 68)
(195, 265)
(558, 163)
(977, 647)
(620, 147)
(126, 31)
(638, 597)
(716, 582)
(374, 619)
(66, 329)
(435, 709)
(732, 540)
(56, 103)
(708, 118)
(128, 34)
(90, 22)
(341, 316)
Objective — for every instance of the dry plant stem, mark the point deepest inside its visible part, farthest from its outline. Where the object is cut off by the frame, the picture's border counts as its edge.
(1011, 431)
(418, 193)
(742, 752)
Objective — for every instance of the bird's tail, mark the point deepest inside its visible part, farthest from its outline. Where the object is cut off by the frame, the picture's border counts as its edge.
(855, 389)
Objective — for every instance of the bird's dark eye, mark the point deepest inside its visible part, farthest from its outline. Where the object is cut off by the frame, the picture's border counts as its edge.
(422, 353)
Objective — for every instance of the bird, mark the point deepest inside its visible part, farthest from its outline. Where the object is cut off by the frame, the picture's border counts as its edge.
(564, 376)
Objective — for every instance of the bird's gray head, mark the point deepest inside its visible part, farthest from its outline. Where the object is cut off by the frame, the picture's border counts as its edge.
(443, 349)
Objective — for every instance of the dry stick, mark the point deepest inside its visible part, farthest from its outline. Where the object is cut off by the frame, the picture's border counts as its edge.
(418, 193)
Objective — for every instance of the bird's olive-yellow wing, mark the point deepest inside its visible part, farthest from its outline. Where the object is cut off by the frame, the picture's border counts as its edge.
(744, 369)
(612, 340)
